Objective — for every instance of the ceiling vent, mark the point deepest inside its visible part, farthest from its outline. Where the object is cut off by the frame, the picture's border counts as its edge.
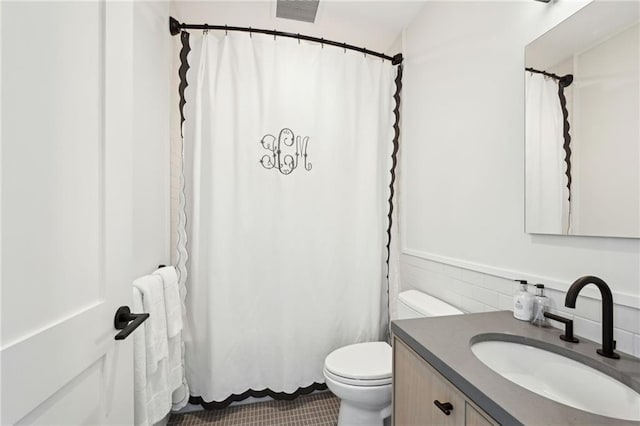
(298, 10)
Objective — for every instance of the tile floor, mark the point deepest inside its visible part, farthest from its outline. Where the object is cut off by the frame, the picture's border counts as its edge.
(317, 409)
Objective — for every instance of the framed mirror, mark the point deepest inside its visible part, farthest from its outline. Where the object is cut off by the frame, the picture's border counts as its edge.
(582, 127)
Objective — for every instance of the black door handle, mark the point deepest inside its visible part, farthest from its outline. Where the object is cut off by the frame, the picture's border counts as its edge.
(446, 407)
(127, 322)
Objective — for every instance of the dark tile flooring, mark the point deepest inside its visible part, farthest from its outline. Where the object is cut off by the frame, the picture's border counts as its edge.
(317, 409)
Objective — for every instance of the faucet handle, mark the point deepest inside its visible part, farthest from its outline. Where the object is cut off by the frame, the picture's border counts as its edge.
(568, 327)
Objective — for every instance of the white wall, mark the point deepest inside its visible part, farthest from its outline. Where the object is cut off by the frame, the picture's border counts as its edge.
(152, 61)
(462, 187)
(463, 147)
(176, 146)
(371, 24)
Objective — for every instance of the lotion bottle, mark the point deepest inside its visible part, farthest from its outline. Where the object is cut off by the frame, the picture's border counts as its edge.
(539, 307)
(522, 302)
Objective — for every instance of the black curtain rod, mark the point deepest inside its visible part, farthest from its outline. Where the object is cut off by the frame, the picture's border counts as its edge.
(175, 27)
(565, 80)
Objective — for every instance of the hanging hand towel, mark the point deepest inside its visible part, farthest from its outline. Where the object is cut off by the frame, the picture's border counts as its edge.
(172, 302)
(173, 309)
(152, 290)
(139, 366)
(152, 398)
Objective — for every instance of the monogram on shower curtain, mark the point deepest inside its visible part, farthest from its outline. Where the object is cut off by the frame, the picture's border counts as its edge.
(287, 151)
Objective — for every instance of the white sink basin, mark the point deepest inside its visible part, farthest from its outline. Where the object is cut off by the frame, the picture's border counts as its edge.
(559, 378)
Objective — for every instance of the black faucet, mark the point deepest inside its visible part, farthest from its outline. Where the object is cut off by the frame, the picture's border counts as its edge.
(608, 344)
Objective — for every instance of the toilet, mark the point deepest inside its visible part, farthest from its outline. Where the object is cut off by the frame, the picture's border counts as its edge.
(360, 374)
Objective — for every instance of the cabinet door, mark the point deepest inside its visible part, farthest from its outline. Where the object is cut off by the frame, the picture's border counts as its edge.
(475, 418)
(417, 387)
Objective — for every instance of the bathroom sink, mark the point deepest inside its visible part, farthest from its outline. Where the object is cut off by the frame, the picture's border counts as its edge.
(557, 373)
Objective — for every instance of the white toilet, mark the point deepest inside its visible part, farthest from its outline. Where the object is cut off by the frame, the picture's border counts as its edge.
(360, 374)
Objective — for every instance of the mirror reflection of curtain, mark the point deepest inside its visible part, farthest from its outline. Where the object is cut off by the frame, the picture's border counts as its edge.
(546, 183)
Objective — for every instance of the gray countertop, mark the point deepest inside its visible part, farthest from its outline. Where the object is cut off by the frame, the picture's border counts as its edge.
(445, 343)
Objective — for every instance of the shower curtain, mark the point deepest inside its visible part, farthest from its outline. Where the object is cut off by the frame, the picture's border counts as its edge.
(287, 157)
(547, 195)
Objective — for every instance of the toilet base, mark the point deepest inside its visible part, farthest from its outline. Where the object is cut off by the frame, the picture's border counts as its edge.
(352, 415)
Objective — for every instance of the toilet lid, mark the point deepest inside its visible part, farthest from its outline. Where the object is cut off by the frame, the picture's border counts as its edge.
(362, 361)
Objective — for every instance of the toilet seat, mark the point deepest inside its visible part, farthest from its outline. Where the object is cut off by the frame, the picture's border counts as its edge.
(361, 364)
(356, 382)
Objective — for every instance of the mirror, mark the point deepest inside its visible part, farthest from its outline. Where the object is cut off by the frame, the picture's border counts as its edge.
(582, 142)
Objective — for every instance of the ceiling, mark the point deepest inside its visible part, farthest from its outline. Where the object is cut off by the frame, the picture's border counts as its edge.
(376, 25)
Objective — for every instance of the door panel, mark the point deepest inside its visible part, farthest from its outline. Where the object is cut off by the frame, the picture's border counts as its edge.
(53, 140)
(66, 212)
(73, 404)
(37, 367)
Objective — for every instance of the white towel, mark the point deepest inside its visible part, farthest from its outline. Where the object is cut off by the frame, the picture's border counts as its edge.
(172, 302)
(158, 394)
(152, 289)
(173, 306)
(152, 398)
(139, 365)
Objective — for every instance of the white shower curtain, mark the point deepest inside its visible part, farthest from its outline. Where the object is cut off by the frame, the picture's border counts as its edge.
(547, 203)
(286, 155)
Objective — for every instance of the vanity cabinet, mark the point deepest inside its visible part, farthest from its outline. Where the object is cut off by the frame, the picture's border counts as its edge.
(422, 396)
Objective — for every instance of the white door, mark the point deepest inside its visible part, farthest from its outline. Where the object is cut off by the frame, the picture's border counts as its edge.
(66, 212)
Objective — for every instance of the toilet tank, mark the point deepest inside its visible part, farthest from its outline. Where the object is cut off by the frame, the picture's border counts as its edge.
(415, 304)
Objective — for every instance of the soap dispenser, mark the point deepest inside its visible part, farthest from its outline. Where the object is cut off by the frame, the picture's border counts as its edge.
(522, 302)
(540, 304)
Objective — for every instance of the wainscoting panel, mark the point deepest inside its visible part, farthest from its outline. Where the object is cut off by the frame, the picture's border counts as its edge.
(473, 291)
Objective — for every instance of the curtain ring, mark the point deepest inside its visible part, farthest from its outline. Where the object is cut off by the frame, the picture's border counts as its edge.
(298, 38)
(226, 33)
(322, 43)
(250, 33)
(344, 46)
(274, 34)
(365, 52)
